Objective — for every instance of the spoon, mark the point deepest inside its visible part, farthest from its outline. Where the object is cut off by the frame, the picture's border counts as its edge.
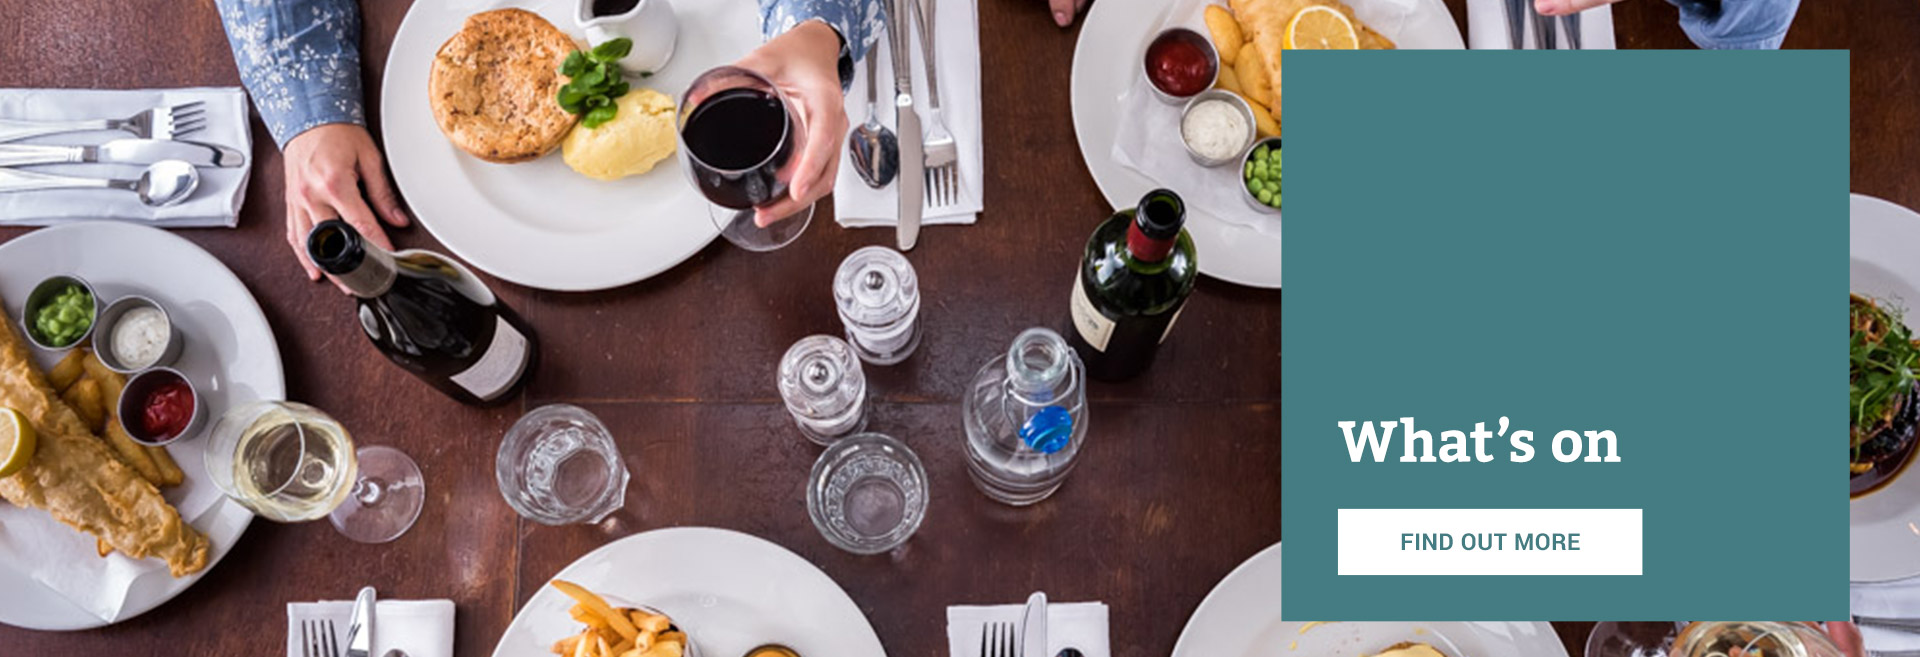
(162, 184)
(1068, 652)
(396, 652)
(876, 152)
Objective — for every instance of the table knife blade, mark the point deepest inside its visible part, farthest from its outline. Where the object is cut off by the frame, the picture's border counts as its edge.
(360, 631)
(913, 163)
(124, 151)
(1033, 629)
(1517, 23)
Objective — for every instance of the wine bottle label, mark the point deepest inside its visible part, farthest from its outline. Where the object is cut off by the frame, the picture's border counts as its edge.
(1171, 322)
(501, 365)
(1093, 327)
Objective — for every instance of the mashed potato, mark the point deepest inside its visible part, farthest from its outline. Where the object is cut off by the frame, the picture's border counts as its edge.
(638, 137)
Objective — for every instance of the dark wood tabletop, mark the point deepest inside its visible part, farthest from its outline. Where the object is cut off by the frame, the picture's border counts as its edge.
(1180, 480)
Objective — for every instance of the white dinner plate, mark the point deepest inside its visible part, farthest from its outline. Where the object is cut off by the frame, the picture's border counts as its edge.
(1883, 262)
(1107, 60)
(728, 590)
(1241, 618)
(229, 353)
(538, 223)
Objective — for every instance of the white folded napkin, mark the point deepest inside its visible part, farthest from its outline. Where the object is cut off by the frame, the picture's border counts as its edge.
(421, 628)
(1895, 599)
(1078, 625)
(215, 203)
(64, 560)
(1487, 27)
(957, 39)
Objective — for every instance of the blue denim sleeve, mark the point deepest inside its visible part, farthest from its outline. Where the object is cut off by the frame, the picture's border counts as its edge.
(1737, 24)
(300, 60)
(857, 21)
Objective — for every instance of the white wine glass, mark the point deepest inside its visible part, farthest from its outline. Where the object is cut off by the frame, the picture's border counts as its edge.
(290, 462)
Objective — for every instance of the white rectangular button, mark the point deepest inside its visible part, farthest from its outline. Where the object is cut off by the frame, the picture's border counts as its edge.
(1489, 541)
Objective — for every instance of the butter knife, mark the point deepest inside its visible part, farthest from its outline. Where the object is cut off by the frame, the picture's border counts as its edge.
(1033, 630)
(1542, 27)
(1517, 23)
(360, 631)
(127, 151)
(913, 162)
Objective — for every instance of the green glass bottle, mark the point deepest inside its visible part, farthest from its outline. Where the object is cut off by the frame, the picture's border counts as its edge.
(1136, 274)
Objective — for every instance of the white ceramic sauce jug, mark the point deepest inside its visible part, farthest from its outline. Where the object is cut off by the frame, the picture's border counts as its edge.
(650, 24)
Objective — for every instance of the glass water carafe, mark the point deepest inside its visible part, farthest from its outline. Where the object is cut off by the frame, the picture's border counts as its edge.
(1026, 416)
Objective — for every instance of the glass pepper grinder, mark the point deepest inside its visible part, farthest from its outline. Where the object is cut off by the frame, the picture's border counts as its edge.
(1026, 416)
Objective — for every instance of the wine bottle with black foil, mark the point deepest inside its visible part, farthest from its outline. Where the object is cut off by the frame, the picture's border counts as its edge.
(430, 315)
(1136, 274)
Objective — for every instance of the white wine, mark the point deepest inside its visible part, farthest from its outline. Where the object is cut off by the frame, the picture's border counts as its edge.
(292, 467)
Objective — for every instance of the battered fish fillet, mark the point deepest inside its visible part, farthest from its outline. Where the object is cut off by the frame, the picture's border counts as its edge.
(1265, 24)
(74, 477)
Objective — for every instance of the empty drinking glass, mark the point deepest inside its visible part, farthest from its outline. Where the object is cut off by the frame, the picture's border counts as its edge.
(867, 493)
(559, 466)
(821, 381)
(879, 300)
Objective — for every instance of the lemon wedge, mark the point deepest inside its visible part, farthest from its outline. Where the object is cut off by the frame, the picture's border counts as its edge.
(1321, 27)
(16, 441)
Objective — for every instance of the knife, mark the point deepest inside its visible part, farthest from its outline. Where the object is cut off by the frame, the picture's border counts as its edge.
(1033, 630)
(360, 631)
(1542, 27)
(1517, 24)
(913, 160)
(1572, 23)
(128, 151)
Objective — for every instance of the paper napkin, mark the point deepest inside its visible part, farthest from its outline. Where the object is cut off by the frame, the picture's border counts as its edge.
(215, 203)
(1078, 625)
(1487, 27)
(422, 628)
(958, 40)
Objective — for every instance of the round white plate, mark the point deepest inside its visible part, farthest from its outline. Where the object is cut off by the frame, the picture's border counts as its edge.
(1882, 263)
(230, 355)
(728, 590)
(1241, 618)
(538, 223)
(1106, 62)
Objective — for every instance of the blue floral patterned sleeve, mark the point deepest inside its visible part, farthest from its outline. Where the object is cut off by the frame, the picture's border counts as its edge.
(300, 59)
(859, 22)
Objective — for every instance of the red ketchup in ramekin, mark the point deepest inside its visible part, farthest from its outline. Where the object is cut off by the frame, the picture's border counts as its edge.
(1178, 65)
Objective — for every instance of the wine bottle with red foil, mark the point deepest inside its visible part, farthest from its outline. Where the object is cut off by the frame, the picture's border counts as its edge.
(430, 315)
(1136, 274)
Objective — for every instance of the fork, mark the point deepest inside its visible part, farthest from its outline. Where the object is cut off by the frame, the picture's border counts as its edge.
(996, 640)
(942, 158)
(319, 644)
(156, 123)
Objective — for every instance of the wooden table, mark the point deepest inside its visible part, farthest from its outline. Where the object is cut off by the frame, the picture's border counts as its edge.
(1180, 480)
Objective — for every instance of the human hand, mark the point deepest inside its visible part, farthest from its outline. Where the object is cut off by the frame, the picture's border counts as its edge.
(805, 64)
(327, 168)
(1565, 7)
(1064, 10)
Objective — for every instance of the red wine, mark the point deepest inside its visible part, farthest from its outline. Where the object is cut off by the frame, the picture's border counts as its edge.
(738, 139)
(1134, 278)
(430, 316)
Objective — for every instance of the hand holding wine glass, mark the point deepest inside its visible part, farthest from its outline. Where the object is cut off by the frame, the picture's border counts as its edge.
(804, 64)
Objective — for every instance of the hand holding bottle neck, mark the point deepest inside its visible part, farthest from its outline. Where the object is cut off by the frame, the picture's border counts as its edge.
(364, 269)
